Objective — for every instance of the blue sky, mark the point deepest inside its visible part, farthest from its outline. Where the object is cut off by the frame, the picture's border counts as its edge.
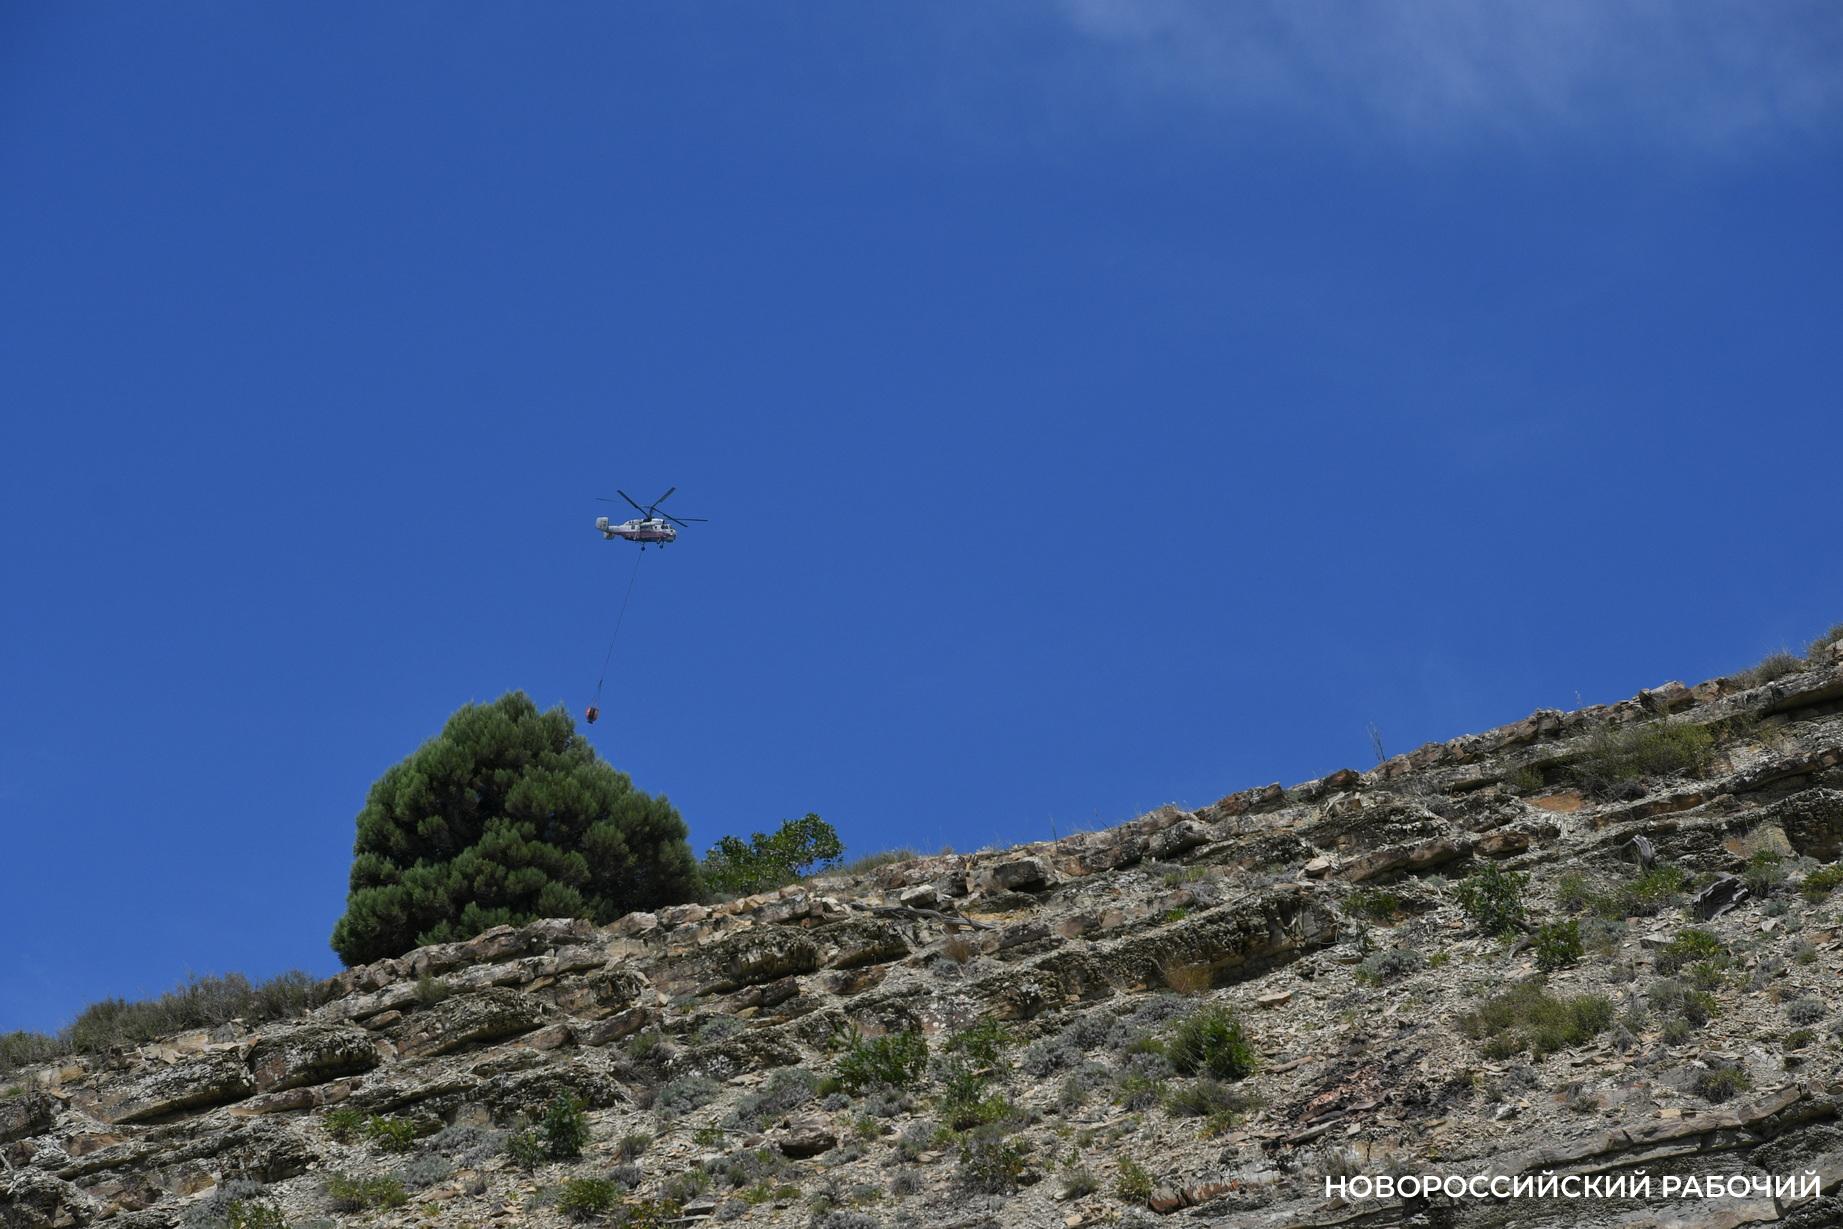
(1096, 406)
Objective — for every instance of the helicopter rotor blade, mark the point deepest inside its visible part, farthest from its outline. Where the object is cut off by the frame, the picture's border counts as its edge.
(630, 499)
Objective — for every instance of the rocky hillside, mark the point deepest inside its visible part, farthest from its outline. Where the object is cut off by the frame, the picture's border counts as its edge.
(1601, 944)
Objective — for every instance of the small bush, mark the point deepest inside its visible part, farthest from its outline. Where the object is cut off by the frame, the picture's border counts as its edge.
(895, 1059)
(1775, 666)
(1805, 1011)
(799, 847)
(1527, 1017)
(1765, 872)
(527, 1150)
(984, 1043)
(1672, 1000)
(28, 1049)
(1799, 1038)
(1078, 1181)
(1573, 893)
(1820, 883)
(391, 1134)
(965, 1101)
(684, 1094)
(1392, 965)
(1646, 896)
(992, 1162)
(1492, 898)
(1133, 1184)
(1211, 1041)
(1204, 1098)
(1373, 903)
(633, 1146)
(1688, 947)
(1558, 945)
(353, 1194)
(203, 1002)
(1617, 758)
(342, 1124)
(1818, 653)
(424, 1169)
(1720, 1083)
(431, 990)
(565, 1127)
(687, 1184)
(583, 1198)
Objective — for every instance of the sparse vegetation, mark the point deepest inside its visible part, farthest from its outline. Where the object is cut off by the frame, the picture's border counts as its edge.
(1392, 965)
(1674, 1002)
(799, 847)
(1211, 1041)
(1805, 1011)
(1528, 1018)
(1620, 757)
(1375, 904)
(584, 1198)
(896, 1059)
(993, 1162)
(353, 1194)
(1132, 1184)
(1649, 894)
(1820, 883)
(1558, 945)
(1722, 1082)
(1492, 898)
(1688, 947)
(1773, 666)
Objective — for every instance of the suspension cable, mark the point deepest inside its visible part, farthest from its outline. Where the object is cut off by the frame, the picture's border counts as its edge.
(609, 656)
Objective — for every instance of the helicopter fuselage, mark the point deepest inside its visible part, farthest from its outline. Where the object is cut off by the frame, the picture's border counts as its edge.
(644, 529)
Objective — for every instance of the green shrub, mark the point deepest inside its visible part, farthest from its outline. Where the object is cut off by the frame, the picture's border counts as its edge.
(506, 816)
(966, 1101)
(1646, 896)
(797, 848)
(252, 1214)
(895, 1059)
(1820, 883)
(1134, 1184)
(1211, 1041)
(1573, 893)
(343, 1124)
(431, 990)
(1765, 872)
(1688, 947)
(353, 1194)
(1774, 666)
(633, 1146)
(203, 1002)
(565, 1127)
(1721, 1083)
(984, 1043)
(1392, 965)
(1818, 653)
(1492, 898)
(992, 1162)
(1672, 1000)
(583, 1198)
(1558, 945)
(391, 1134)
(28, 1049)
(1805, 1011)
(527, 1150)
(1618, 757)
(1528, 1017)
(1373, 903)
(1204, 1098)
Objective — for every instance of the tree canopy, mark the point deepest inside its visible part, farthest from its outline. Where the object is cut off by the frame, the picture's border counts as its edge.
(798, 847)
(506, 816)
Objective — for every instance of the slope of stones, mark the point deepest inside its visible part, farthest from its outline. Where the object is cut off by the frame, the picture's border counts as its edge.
(1076, 944)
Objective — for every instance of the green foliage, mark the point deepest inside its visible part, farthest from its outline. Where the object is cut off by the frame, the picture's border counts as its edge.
(1492, 898)
(966, 1100)
(27, 1049)
(1573, 892)
(431, 990)
(1392, 965)
(1721, 1083)
(1528, 1017)
(1373, 903)
(352, 1194)
(203, 1002)
(992, 1162)
(1765, 872)
(1617, 757)
(1819, 652)
(1774, 666)
(390, 1134)
(1818, 885)
(896, 1060)
(984, 1043)
(1558, 945)
(343, 1124)
(799, 847)
(583, 1198)
(1134, 1184)
(1674, 1002)
(1204, 1098)
(252, 1214)
(565, 1127)
(1211, 1041)
(505, 816)
(527, 1149)
(1651, 893)
(1688, 947)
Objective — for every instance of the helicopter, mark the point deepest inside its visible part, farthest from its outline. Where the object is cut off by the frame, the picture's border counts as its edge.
(651, 525)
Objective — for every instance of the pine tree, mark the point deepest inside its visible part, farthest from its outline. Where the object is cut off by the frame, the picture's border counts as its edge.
(504, 817)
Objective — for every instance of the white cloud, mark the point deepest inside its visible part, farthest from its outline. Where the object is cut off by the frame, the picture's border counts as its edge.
(1697, 72)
